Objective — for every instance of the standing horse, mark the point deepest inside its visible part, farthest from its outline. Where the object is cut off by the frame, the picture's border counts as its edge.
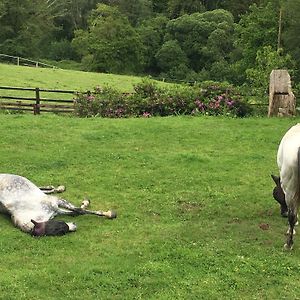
(288, 160)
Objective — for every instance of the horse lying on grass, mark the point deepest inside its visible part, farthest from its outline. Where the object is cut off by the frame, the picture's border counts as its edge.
(32, 209)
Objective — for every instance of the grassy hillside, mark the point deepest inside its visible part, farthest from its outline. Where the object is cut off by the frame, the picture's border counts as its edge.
(20, 76)
(194, 197)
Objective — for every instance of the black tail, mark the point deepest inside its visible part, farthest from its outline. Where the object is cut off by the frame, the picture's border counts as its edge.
(293, 208)
(298, 157)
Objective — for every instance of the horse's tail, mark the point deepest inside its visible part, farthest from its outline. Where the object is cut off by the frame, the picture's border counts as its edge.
(298, 173)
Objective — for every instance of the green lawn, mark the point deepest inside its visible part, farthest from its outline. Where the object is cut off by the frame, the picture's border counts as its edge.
(191, 194)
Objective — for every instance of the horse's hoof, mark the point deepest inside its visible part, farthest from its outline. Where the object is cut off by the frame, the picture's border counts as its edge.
(287, 247)
(111, 214)
(60, 189)
(85, 203)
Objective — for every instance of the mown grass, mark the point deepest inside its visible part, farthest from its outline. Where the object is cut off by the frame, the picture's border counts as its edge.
(191, 194)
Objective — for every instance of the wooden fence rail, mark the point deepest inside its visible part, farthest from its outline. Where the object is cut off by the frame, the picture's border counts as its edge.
(35, 102)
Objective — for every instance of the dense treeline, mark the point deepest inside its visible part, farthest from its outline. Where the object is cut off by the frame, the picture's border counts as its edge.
(237, 41)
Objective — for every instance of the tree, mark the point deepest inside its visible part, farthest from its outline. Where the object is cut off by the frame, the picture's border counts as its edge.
(110, 44)
(177, 8)
(205, 38)
(291, 29)
(159, 6)
(26, 26)
(256, 29)
(267, 59)
(152, 34)
(238, 8)
(170, 56)
(136, 10)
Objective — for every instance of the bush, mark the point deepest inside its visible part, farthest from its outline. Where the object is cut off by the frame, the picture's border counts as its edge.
(149, 99)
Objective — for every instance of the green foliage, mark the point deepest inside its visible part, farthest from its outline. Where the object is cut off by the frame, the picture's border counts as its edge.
(256, 29)
(177, 8)
(150, 100)
(170, 55)
(175, 40)
(136, 11)
(266, 60)
(291, 39)
(61, 50)
(152, 34)
(110, 43)
(205, 38)
(25, 28)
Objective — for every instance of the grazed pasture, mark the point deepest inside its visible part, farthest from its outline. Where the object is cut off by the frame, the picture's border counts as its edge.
(20, 76)
(196, 217)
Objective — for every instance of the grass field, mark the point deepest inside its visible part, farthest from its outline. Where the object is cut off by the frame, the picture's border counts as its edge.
(191, 194)
(19, 76)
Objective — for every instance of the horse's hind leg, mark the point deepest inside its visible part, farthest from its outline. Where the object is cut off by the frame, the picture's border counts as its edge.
(292, 217)
(66, 205)
(50, 189)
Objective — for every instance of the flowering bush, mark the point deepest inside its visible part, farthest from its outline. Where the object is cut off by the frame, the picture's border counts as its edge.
(150, 100)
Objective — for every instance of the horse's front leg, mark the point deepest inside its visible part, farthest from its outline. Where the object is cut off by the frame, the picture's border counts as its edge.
(50, 189)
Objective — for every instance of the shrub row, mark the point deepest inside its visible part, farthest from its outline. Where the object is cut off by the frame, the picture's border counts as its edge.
(148, 99)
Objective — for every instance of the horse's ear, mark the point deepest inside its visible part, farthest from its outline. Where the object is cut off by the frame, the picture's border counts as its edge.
(276, 179)
(34, 222)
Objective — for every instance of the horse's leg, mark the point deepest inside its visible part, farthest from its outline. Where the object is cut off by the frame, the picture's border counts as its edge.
(292, 217)
(50, 189)
(66, 205)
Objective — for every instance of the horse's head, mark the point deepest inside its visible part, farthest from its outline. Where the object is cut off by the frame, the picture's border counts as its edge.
(279, 196)
(52, 227)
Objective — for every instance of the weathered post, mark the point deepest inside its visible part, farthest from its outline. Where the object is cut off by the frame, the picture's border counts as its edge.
(36, 109)
(282, 101)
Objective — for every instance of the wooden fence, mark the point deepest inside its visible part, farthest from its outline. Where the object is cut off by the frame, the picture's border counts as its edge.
(35, 102)
(21, 61)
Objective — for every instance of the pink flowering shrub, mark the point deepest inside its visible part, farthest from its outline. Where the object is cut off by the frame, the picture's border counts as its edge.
(149, 100)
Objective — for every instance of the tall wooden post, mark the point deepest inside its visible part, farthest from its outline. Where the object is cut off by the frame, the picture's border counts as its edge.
(279, 31)
(36, 109)
(282, 101)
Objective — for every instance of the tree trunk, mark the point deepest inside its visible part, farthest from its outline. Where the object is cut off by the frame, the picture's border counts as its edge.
(282, 101)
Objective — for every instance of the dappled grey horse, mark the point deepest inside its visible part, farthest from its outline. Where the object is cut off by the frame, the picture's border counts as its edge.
(32, 209)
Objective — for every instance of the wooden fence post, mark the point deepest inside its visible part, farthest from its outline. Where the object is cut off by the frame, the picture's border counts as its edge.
(282, 101)
(36, 109)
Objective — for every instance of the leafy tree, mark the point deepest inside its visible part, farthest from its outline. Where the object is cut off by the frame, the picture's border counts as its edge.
(170, 56)
(291, 29)
(152, 34)
(26, 26)
(205, 37)
(160, 6)
(136, 10)
(110, 44)
(257, 29)
(237, 8)
(267, 59)
(177, 8)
